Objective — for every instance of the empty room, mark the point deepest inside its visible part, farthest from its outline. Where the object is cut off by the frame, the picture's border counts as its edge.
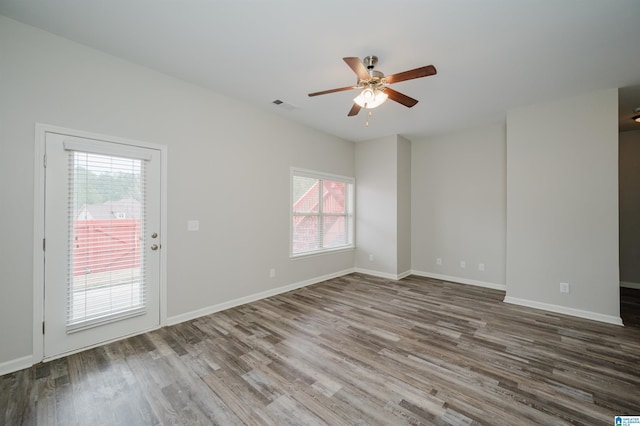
(333, 213)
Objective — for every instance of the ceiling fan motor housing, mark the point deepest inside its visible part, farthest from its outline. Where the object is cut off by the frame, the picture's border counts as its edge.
(370, 61)
(375, 76)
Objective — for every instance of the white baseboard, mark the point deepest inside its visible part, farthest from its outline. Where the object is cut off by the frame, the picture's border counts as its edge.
(16, 365)
(610, 319)
(404, 274)
(252, 298)
(628, 284)
(382, 274)
(27, 361)
(477, 283)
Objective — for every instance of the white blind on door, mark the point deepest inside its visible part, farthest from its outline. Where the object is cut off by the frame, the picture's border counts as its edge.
(107, 216)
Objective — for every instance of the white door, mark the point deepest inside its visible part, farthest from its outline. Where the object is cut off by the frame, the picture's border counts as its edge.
(102, 242)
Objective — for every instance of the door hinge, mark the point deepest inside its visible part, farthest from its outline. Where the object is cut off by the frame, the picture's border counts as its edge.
(42, 327)
(44, 244)
(44, 163)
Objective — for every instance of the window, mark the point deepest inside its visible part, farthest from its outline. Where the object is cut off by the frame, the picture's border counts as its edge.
(321, 212)
(106, 264)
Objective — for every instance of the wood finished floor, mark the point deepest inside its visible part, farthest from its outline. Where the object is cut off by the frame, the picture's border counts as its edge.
(354, 350)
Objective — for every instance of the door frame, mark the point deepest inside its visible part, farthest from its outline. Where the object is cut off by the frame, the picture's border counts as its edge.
(39, 219)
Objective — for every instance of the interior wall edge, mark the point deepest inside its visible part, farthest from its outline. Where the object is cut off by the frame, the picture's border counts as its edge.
(595, 316)
(379, 274)
(460, 280)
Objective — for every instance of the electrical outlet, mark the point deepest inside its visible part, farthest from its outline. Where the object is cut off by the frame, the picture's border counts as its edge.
(439, 261)
(564, 287)
(463, 264)
(272, 273)
(370, 258)
(481, 267)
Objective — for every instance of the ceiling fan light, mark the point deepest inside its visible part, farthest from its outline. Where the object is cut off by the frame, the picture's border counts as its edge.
(636, 118)
(370, 98)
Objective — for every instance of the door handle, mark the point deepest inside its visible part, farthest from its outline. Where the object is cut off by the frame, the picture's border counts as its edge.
(154, 247)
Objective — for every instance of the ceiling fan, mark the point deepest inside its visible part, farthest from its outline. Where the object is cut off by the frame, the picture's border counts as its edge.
(375, 86)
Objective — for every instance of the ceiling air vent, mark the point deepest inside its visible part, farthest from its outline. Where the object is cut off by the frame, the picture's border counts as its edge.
(284, 105)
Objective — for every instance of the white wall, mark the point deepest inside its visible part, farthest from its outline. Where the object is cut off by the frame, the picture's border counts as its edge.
(458, 206)
(228, 167)
(562, 205)
(404, 206)
(383, 207)
(376, 206)
(629, 161)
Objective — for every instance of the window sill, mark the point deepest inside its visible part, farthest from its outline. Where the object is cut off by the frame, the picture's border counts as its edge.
(321, 252)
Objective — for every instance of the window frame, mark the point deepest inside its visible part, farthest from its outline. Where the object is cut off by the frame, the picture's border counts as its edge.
(349, 214)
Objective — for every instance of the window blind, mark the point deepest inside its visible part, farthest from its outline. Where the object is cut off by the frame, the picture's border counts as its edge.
(321, 212)
(106, 213)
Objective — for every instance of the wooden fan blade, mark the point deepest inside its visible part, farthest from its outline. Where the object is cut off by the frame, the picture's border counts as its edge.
(400, 98)
(341, 89)
(355, 109)
(356, 65)
(411, 74)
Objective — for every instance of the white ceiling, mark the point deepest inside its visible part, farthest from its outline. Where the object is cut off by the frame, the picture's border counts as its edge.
(491, 55)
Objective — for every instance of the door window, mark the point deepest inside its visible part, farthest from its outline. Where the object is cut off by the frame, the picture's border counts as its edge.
(106, 263)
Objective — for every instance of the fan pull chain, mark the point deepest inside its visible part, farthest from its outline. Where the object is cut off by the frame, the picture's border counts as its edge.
(368, 117)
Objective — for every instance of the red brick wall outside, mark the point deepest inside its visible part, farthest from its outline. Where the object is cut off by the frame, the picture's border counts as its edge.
(305, 228)
(105, 245)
